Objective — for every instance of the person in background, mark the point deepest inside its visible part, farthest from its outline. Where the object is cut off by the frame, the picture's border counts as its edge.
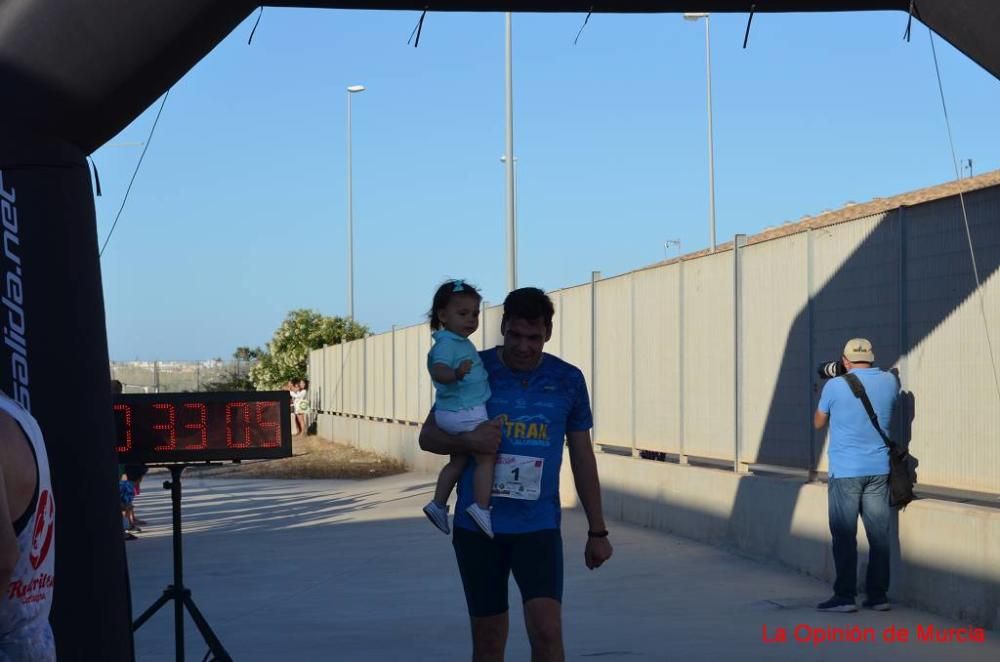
(300, 404)
(293, 389)
(539, 405)
(126, 494)
(133, 476)
(859, 476)
(27, 538)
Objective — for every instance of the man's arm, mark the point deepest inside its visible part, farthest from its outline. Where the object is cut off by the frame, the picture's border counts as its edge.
(588, 487)
(9, 552)
(820, 420)
(484, 439)
(822, 415)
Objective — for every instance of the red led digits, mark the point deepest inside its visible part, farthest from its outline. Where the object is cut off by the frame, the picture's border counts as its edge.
(127, 418)
(170, 426)
(230, 443)
(268, 425)
(202, 425)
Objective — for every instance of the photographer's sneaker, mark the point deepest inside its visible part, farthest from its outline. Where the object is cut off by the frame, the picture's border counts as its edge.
(481, 516)
(837, 603)
(878, 604)
(438, 515)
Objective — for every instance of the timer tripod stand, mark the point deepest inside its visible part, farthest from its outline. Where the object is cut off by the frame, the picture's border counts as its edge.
(177, 592)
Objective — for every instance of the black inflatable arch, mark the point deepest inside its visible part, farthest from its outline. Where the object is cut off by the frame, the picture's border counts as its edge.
(72, 75)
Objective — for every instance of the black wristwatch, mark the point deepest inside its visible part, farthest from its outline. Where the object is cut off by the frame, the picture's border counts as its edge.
(597, 534)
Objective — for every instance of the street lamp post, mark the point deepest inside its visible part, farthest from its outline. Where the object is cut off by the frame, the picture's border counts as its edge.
(351, 91)
(711, 151)
(509, 154)
(503, 159)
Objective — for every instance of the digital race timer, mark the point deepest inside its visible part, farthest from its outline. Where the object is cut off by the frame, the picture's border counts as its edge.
(202, 427)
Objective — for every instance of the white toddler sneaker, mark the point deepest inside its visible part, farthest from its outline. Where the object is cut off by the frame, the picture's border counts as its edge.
(438, 515)
(481, 516)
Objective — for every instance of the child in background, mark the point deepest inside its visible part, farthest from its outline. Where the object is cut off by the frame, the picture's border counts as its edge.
(462, 388)
(300, 404)
(128, 490)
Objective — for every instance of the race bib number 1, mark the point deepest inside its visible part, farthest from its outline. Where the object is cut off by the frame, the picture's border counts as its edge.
(517, 477)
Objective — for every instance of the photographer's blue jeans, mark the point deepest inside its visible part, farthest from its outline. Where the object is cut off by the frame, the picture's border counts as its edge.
(869, 497)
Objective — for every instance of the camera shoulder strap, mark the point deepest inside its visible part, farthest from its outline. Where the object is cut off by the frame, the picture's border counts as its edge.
(858, 389)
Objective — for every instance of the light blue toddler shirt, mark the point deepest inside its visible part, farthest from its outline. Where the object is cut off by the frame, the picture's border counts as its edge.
(474, 389)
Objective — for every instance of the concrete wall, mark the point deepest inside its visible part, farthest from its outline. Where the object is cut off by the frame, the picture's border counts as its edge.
(946, 558)
(658, 346)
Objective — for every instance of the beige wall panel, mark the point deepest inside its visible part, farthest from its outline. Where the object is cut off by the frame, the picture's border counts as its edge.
(777, 403)
(554, 346)
(708, 356)
(331, 369)
(383, 376)
(340, 376)
(613, 379)
(425, 385)
(354, 382)
(856, 293)
(369, 402)
(490, 324)
(415, 364)
(574, 329)
(656, 359)
(388, 392)
(953, 407)
(399, 395)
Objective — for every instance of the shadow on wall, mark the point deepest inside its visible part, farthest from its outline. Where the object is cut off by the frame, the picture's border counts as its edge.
(900, 284)
(762, 535)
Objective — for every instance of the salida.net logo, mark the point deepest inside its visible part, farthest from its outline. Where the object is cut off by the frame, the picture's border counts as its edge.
(12, 298)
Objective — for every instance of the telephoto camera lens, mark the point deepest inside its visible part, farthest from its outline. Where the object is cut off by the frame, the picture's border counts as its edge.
(831, 369)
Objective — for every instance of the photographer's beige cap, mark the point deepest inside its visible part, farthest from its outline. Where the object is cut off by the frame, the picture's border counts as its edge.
(859, 350)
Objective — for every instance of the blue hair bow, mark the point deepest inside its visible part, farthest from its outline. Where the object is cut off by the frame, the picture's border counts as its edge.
(458, 285)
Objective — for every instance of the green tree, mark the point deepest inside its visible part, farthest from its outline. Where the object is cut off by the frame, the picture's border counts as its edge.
(302, 331)
(237, 377)
(246, 354)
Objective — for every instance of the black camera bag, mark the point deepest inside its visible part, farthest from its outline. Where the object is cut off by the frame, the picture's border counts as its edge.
(900, 479)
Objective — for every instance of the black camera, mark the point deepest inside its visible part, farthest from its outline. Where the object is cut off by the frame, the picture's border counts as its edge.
(831, 369)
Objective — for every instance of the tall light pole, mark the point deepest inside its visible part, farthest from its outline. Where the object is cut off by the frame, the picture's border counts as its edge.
(351, 91)
(711, 151)
(509, 162)
(503, 159)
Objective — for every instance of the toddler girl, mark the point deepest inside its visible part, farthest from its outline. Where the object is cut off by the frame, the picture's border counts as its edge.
(462, 388)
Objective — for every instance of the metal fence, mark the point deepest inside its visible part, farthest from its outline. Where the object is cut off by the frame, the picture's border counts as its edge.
(714, 356)
(175, 376)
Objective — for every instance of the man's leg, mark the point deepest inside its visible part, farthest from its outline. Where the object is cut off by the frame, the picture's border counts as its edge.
(876, 515)
(543, 619)
(484, 564)
(844, 497)
(489, 638)
(537, 563)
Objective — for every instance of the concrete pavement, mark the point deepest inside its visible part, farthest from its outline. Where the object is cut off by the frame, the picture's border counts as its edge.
(351, 570)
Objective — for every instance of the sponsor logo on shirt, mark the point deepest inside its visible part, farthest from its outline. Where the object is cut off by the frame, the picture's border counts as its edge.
(45, 521)
(526, 430)
(36, 590)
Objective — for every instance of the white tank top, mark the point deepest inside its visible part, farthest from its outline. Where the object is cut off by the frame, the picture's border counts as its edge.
(25, 633)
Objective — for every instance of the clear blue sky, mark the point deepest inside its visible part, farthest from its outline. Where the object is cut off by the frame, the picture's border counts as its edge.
(238, 214)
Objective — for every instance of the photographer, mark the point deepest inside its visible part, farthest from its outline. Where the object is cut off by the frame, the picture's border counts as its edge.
(858, 471)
